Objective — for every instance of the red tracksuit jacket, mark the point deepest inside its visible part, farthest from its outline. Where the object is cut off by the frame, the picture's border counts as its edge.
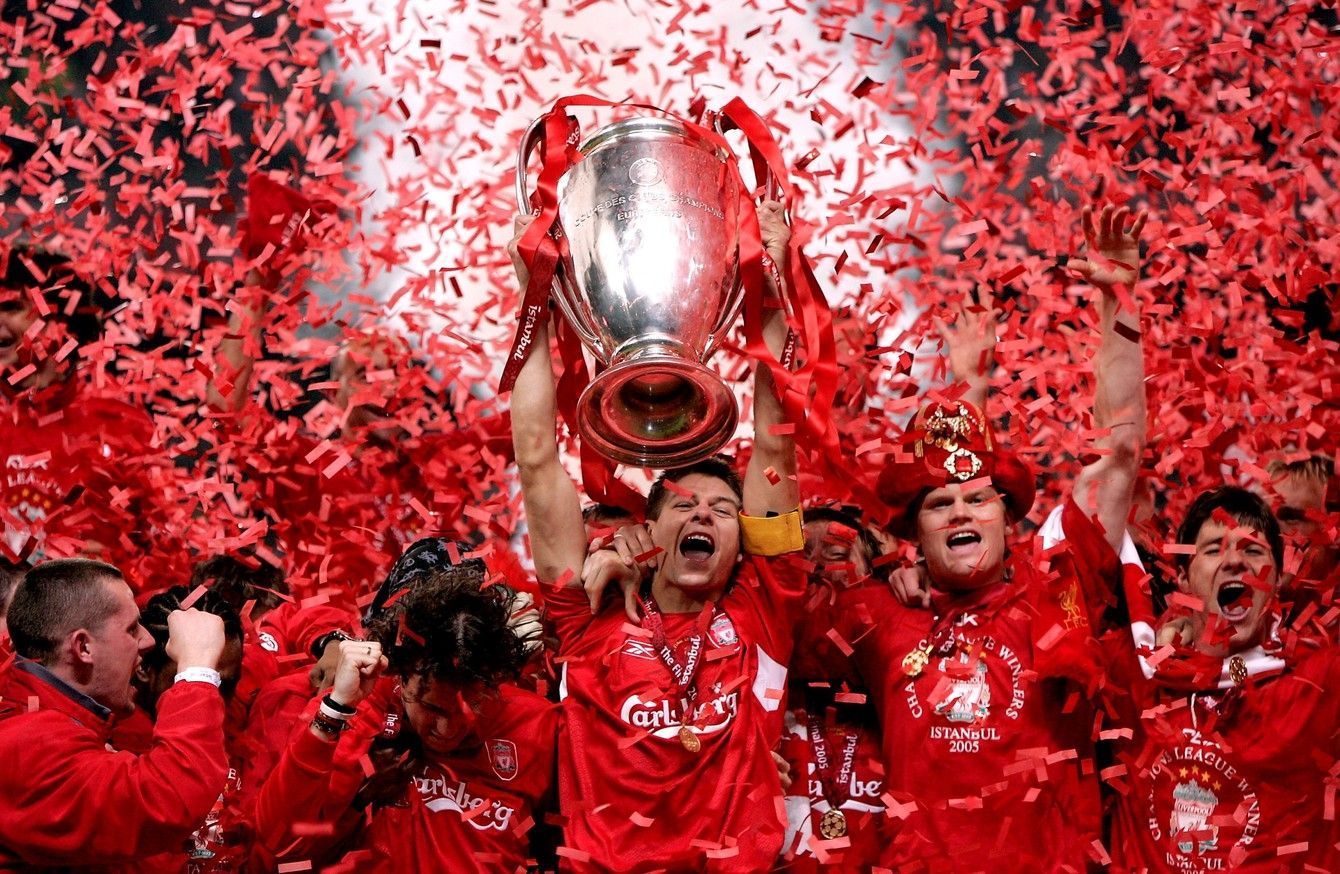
(67, 799)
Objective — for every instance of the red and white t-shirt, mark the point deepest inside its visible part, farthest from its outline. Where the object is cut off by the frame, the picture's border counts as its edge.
(469, 811)
(633, 797)
(986, 744)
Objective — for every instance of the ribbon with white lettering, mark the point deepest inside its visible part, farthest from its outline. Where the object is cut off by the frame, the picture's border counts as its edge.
(836, 789)
(684, 673)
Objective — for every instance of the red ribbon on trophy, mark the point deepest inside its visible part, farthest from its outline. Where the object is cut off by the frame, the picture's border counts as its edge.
(807, 387)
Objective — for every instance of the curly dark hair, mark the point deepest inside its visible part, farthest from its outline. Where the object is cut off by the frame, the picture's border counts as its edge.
(154, 618)
(452, 628)
(239, 580)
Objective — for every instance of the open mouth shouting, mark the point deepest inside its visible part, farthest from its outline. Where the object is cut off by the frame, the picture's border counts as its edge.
(1235, 600)
(697, 548)
(964, 542)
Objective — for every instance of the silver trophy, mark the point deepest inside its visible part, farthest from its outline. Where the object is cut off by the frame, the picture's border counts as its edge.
(647, 277)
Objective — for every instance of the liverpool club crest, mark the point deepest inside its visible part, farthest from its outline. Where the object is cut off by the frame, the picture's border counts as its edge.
(502, 755)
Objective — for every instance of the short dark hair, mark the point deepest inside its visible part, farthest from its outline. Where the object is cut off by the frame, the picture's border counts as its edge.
(849, 517)
(154, 618)
(718, 467)
(597, 514)
(54, 277)
(1244, 507)
(55, 598)
(449, 626)
(237, 581)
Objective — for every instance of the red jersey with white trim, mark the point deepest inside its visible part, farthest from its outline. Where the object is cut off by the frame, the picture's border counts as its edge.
(471, 810)
(988, 753)
(859, 798)
(634, 798)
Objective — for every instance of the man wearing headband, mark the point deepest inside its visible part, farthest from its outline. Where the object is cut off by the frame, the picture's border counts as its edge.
(986, 741)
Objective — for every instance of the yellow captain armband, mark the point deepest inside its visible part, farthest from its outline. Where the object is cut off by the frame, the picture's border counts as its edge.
(772, 535)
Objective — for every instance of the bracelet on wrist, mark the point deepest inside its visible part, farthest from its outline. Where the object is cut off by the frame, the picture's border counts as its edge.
(335, 709)
(199, 675)
(326, 725)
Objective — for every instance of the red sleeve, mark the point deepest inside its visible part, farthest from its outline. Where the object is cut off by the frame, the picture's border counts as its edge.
(1085, 557)
(294, 793)
(296, 628)
(568, 612)
(777, 587)
(316, 780)
(65, 799)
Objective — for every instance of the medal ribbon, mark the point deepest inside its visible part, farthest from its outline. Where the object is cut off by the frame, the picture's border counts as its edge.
(686, 673)
(836, 790)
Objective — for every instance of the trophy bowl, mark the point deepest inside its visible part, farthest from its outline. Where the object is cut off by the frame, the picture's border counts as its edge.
(648, 279)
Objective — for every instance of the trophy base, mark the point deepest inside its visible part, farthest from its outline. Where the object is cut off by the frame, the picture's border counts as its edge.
(657, 411)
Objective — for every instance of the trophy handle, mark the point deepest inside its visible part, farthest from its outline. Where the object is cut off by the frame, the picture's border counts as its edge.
(734, 300)
(528, 143)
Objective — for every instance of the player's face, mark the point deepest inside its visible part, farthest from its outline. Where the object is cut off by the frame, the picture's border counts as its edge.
(1233, 573)
(699, 532)
(441, 714)
(962, 536)
(17, 315)
(836, 552)
(1302, 500)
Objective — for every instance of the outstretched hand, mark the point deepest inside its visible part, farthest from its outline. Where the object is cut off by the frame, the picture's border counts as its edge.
(1113, 250)
(970, 339)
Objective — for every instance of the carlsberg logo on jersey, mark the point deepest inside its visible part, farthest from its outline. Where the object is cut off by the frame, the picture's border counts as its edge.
(664, 716)
(438, 796)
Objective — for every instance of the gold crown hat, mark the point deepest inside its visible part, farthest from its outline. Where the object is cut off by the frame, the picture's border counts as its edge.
(950, 442)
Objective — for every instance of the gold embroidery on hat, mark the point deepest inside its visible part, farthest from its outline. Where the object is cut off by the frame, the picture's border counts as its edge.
(944, 431)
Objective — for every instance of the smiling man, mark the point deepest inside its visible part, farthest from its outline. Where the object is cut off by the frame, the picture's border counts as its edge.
(665, 760)
(987, 751)
(1229, 763)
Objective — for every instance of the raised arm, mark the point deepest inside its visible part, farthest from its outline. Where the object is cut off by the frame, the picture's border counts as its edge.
(230, 385)
(1105, 487)
(970, 346)
(770, 480)
(553, 509)
(275, 232)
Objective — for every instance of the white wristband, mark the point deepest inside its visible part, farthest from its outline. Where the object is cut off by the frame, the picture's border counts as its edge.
(199, 675)
(331, 713)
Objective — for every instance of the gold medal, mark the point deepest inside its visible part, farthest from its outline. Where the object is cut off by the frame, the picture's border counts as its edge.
(689, 740)
(915, 661)
(834, 823)
(1237, 670)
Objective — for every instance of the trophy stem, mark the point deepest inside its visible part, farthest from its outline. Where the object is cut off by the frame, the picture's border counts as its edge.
(656, 408)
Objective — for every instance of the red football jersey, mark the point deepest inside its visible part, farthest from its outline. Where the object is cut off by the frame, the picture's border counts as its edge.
(468, 811)
(988, 755)
(633, 797)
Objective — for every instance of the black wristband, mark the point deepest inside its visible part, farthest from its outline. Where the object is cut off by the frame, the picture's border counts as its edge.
(338, 708)
(319, 645)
